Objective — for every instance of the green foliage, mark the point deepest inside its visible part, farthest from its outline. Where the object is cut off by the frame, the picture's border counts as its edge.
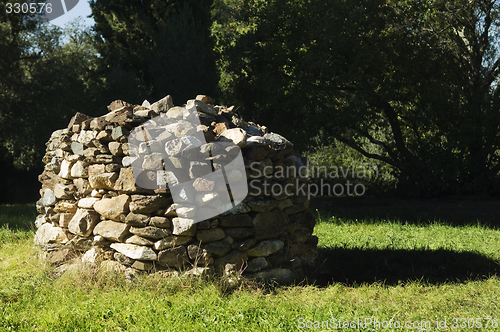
(161, 46)
(46, 78)
(416, 82)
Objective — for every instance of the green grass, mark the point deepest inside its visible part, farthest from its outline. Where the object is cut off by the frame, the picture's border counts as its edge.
(371, 268)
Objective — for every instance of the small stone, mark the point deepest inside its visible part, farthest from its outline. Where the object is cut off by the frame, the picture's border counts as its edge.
(140, 241)
(281, 276)
(183, 226)
(234, 257)
(103, 181)
(236, 135)
(236, 220)
(206, 99)
(47, 233)
(266, 248)
(77, 148)
(119, 132)
(63, 191)
(111, 230)
(79, 170)
(147, 204)
(122, 259)
(83, 222)
(137, 219)
(173, 257)
(113, 208)
(87, 202)
(239, 233)
(256, 264)
(143, 266)
(135, 252)
(210, 235)
(269, 225)
(218, 248)
(150, 232)
(115, 148)
(161, 222)
(199, 255)
(186, 211)
(172, 241)
(163, 105)
(263, 206)
(202, 184)
(65, 171)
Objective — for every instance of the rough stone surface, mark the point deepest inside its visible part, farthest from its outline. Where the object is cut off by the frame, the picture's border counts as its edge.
(107, 195)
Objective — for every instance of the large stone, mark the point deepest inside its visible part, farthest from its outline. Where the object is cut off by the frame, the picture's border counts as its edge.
(137, 219)
(161, 222)
(279, 275)
(236, 135)
(239, 233)
(163, 105)
(269, 225)
(172, 241)
(199, 255)
(236, 220)
(114, 208)
(183, 226)
(148, 204)
(174, 257)
(210, 235)
(135, 252)
(126, 181)
(234, 257)
(83, 222)
(49, 198)
(47, 233)
(218, 248)
(266, 248)
(151, 232)
(140, 241)
(112, 230)
(103, 181)
(257, 264)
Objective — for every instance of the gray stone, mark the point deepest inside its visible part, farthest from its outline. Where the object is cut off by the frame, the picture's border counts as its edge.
(173, 257)
(266, 248)
(256, 264)
(161, 222)
(115, 148)
(183, 226)
(115, 208)
(172, 241)
(119, 132)
(122, 259)
(218, 248)
(49, 198)
(136, 219)
(153, 161)
(281, 276)
(140, 241)
(135, 252)
(148, 204)
(151, 232)
(199, 255)
(263, 206)
(163, 105)
(236, 220)
(143, 266)
(239, 233)
(234, 257)
(269, 225)
(83, 222)
(47, 233)
(210, 235)
(112, 230)
(77, 148)
(103, 181)
(236, 135)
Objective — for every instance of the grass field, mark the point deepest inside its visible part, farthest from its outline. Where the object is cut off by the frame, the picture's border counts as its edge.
(407, 264)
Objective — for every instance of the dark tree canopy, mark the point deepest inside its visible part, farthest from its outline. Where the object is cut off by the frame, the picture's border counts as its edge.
(161, 47)
(411, 83)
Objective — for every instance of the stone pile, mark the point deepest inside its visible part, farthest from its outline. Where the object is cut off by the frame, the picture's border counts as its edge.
(93, 208)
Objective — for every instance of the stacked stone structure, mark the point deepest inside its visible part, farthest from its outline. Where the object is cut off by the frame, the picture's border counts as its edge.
(92, 208)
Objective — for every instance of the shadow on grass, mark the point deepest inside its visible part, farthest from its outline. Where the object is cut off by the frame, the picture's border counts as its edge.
(454, 211)
(18, 217)
(393, 267)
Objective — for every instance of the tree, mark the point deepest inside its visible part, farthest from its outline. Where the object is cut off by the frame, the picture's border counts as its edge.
(411, 83)
(162, 47)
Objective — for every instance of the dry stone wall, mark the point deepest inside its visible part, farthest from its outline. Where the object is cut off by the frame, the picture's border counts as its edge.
(93, 207)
